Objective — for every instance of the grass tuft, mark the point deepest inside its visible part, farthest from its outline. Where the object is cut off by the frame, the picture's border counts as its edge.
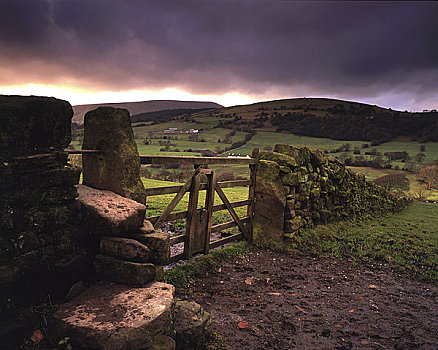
(407, 241)
(183, 276)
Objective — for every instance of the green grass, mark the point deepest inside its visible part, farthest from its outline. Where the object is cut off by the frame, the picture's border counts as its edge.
(373, 173)
(266, 138)
(408, 241)
(183, 276)
(157, 204)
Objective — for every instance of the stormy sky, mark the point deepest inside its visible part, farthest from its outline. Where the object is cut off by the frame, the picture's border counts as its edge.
(383, 53)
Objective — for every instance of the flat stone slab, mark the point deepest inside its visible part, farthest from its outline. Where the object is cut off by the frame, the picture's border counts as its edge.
(119, 215)
(158, 243)
(117, 317)
(125, 249)
(119, 271)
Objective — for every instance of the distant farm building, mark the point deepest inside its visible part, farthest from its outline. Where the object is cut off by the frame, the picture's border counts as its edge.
(171, 130)
(238, 156)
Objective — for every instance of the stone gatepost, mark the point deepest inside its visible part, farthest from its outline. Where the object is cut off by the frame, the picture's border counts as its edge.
(117, 168)
(40, 243)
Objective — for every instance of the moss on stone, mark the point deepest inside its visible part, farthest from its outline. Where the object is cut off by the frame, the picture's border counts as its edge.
(118, 167)
(279, 158)
(319, 189)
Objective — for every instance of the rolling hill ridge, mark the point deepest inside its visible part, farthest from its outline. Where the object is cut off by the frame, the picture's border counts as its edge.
(328, 118)
(142, 107)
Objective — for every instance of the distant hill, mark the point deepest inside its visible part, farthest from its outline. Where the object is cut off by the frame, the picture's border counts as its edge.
(143, 107)
(329, 118)
(163, 116)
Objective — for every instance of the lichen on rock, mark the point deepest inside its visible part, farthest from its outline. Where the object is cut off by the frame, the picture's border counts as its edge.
(117, 168)
(318, 189)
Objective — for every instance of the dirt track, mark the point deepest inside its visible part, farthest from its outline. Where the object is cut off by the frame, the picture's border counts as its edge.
(280, 301)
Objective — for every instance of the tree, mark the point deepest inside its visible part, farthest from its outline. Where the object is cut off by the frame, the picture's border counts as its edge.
(397, 184)
(429, 175)
(419, 157)
(420, 193)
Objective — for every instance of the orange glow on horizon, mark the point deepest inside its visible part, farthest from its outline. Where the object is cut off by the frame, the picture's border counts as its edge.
(79, 96)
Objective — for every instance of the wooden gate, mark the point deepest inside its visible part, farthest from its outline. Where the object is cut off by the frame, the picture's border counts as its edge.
(199, 220)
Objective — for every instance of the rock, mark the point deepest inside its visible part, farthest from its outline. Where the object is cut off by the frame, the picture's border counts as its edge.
(279, 158)
(32, 124)
(125, 272)
(318, 189)
(158, 243)
(293, 224)
(37, 171)
(75, 290)
(191, 322)
(159, 273)
(289, 179)
(117, 168)
(116, 317)
(270, 201)
(163, 342)
(125, 249)
(114, 214)
(147, 227)
(289, 214)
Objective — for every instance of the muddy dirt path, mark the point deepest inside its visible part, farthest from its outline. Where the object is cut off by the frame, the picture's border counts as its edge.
(280, 301)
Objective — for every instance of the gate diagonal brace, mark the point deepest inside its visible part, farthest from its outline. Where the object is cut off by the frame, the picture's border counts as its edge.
(231, 210)
(175, 201)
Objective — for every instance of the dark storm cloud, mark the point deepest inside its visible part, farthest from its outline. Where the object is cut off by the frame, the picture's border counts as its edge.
(366, 48)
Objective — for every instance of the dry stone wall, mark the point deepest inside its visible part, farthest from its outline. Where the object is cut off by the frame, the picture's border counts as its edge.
(41, 247)
(56, 234)
(298, 187)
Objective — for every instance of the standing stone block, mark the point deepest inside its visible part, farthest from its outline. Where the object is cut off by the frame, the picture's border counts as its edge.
(270, 202)
(117, 168)
(32, 124)
(125, 249)
(125, 272)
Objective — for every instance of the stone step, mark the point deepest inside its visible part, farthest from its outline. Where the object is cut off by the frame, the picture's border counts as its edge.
(157, 242)
(125, 249)
(119, 271)
(118, 317)
(110, 212)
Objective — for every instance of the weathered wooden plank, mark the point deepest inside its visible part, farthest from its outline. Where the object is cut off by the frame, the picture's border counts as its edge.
(231, 210)
(236, 183)
(209, 205)
(183, 214)
(226, 240)
(147, 159)
(82, 151)
(158, 191)
(226, 225)
(171, 217)
(192, 217)
(175, 201)
(233, 204)
(251, 193)
(177, 239)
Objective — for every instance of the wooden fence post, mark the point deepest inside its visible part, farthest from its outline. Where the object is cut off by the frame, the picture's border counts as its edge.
(251, 193)
(192, 216)
(209, 203)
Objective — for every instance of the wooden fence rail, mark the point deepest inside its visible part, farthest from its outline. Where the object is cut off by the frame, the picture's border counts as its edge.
(199, 225)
